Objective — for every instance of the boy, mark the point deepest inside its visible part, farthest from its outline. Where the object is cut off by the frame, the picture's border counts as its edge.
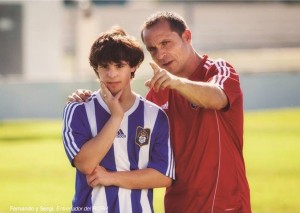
(118, 141)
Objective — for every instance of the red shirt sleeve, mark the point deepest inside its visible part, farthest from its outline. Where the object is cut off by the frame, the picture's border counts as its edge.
(225, 76)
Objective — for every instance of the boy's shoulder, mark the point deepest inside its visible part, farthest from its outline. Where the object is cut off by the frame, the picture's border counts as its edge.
(149, 103)
(78, 107)
(152, 108)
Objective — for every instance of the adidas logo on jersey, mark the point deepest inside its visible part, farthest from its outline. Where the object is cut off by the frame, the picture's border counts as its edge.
(121, 134)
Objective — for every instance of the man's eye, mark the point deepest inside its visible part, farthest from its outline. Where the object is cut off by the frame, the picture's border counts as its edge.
(164, 43)
(150, 49)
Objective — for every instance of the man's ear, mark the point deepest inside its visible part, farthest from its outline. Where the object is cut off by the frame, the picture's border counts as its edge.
(187, 35)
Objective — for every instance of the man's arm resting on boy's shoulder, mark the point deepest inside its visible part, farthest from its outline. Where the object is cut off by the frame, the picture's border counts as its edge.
(80, 95)
(137, 179)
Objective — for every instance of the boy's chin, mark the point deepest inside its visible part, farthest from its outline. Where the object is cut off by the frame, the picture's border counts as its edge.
(114, 93)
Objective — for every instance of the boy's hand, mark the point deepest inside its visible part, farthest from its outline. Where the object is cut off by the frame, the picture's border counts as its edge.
(113, 102)
(99, 177)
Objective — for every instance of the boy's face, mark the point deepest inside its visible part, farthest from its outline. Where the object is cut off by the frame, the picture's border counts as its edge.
(116, 76)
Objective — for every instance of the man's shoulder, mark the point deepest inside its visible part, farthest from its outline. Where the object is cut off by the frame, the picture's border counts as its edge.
(217, 63)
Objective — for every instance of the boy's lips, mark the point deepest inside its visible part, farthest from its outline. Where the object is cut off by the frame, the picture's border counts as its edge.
(113, 83)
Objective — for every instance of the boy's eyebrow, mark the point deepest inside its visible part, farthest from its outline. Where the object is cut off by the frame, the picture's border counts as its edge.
(112, 62)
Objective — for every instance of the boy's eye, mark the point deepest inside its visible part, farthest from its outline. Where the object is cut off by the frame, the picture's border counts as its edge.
(103, 66)
(120, 65)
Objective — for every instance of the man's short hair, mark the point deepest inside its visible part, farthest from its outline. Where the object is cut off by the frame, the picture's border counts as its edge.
(176, 22)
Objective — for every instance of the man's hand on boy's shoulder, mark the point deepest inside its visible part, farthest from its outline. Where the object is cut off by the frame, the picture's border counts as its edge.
(80, 95)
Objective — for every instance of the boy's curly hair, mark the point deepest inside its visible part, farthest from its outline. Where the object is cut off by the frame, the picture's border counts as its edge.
(115, 46)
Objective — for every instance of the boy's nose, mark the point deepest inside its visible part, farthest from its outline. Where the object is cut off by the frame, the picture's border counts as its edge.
(111, 73)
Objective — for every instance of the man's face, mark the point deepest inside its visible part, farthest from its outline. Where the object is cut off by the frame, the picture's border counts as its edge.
(167, 48)
(116, 76)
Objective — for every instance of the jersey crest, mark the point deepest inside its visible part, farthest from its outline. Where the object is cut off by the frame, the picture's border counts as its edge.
(142, 136)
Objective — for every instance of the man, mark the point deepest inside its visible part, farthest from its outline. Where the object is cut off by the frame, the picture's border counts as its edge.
(118, 141)
(204, 102)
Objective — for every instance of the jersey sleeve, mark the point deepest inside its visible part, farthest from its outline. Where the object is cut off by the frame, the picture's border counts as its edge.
(225, 76)
(76, 129)
(161, 155)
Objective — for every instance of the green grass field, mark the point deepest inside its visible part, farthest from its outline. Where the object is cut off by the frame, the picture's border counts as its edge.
(35, 172)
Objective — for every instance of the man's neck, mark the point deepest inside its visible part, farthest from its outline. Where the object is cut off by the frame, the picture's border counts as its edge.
(192, 64)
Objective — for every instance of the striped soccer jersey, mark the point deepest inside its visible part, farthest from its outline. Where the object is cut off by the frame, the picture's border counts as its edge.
(141, 142)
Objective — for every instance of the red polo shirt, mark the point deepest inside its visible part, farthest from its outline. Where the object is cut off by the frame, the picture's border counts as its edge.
(208, 146)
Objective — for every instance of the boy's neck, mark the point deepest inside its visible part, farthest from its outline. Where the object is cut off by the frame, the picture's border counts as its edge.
(127, 100)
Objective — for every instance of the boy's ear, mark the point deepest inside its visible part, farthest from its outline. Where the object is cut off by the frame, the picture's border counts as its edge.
(133, 70)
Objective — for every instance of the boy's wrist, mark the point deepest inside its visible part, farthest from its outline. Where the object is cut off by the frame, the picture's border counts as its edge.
(117, 117)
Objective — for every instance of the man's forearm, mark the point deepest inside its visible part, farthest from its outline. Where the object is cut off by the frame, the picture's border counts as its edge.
(203, 94)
